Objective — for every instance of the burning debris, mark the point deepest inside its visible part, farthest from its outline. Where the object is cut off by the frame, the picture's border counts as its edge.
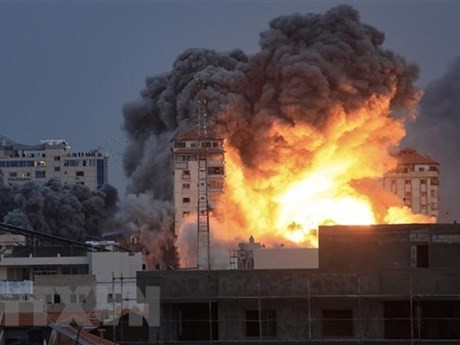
(309, 122)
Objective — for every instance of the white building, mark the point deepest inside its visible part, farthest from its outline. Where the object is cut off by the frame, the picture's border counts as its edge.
(62, 276)
(51, 159)
(416, 181)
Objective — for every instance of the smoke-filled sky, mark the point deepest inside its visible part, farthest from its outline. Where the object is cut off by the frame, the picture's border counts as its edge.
(68, 67)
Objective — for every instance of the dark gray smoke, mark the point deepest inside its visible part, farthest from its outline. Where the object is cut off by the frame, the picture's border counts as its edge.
(436, 133)
(307, 64)
(71, 211)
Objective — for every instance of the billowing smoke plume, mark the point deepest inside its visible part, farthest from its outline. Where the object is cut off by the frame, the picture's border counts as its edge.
(275, 108)
(436, 133)
(70, 211)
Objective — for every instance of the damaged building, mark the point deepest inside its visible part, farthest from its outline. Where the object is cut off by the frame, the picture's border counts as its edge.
(375, 284)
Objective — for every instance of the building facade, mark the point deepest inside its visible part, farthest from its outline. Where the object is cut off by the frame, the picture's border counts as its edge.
(188, 148)
(416, 181)
(61, 276)
(51, 159)
(382, 284)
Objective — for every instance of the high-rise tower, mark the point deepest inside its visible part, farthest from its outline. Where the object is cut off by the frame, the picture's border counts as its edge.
(198, 180)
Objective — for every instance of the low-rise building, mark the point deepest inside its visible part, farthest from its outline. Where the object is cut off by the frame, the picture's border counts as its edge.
(62, 276)
(378, 284)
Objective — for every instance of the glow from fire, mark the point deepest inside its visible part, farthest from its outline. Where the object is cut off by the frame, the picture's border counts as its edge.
(332, 176)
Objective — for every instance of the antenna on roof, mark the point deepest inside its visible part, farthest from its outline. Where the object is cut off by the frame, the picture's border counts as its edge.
(202, 112)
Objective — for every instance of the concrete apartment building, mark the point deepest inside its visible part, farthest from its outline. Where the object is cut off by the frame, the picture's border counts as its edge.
(416, 181)
(189, 149)
(381, 284)
(21, 163)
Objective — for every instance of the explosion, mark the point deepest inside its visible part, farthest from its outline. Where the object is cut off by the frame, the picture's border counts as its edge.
(309, 122)
(298, 195)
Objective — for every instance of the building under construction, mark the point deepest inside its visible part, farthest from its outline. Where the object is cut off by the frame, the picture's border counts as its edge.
(381, 284)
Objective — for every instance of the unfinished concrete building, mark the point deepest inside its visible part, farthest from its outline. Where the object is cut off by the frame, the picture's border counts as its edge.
(381, 284)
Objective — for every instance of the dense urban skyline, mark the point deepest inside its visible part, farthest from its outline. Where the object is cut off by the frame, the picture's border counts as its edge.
(70, 66)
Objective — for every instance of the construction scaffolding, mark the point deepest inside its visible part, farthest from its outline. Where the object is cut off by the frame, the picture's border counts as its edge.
(322, 308)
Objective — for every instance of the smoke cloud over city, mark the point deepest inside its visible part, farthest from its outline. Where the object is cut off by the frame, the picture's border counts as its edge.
(436, 132)
(70, 211)
(321, 89)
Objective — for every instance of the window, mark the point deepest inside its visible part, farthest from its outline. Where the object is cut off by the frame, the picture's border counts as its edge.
(267, 325)
(57, 168)
(56, 299)
(218, 184)
(48, 299)
(186, 174)
(13, 174)
(397, 323)
(80, 173)
(423, 181)
(197, 322)
(185, 213)
(216, 170)
(185, 200)
(337, 322)
(179, 144)
(186, 185)
(57, 158)
(45, 270)
(393, 186)
(422, 255)
(434, 181)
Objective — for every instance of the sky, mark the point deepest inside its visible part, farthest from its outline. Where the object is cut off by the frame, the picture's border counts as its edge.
(67, 67)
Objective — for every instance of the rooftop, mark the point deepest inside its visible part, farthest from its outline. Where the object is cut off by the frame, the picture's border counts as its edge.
(409, 155)
(192, 134)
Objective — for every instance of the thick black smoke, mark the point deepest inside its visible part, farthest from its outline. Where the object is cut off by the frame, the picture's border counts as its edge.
(436, 133)
(306, 64)
(309, 68)
(71, 211)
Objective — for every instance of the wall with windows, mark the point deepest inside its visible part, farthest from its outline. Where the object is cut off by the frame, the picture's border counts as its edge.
(54, 161)
(186, 152)
(376, 283)
(416, 182)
